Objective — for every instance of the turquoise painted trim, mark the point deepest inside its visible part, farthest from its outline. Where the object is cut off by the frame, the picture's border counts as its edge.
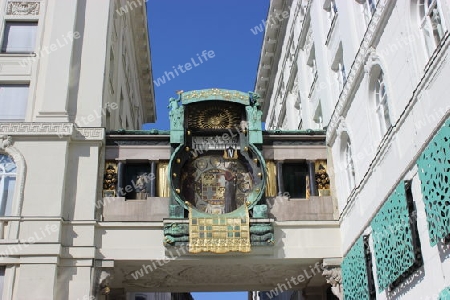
(434, 173)
(354, 273)
(392, 238)
(444, 294)
(215, 94)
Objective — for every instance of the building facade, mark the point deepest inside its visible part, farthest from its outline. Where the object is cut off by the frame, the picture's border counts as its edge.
(78, 217)
(373, 75)
(217, 204)
(69, 69)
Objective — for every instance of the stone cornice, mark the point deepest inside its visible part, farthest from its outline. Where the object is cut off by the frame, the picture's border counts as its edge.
(270, 54)
(60, 130)
(376, 25)
(143, 62)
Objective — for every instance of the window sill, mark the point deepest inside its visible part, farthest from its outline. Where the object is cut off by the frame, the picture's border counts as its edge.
(6, 54)
(331, 30)
(313, 86)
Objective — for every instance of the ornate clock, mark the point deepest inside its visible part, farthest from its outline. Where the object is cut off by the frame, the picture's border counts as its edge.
(216, 172)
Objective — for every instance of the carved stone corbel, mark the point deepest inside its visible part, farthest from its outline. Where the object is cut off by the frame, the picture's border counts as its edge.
(5, 141)
(371, 59)
(333, 276)
(341, 126)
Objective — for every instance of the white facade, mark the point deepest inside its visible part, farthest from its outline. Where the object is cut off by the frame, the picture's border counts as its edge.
(373, 74)
(55, 103)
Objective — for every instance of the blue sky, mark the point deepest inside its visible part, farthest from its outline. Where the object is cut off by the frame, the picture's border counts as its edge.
(180, 29)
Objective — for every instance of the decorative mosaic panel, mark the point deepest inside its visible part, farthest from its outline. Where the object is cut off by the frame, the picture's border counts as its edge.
(445, 294)
(434, 174)
(354, 273)
(392, 238)
(219, 233)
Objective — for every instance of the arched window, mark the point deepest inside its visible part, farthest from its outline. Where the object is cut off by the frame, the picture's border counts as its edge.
(381, 104)
(8, 172)
(431, 22)
(378, 94)
(368, 7)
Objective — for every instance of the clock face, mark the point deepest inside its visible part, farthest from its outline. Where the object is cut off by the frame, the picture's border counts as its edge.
(216, 185)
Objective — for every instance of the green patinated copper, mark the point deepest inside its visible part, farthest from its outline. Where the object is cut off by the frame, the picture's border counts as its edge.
(176, 211)
(215, 94)
(177, 206)
(254, 114)
(176, 234)
(260, 211)
(254, 124)
(176, 116)
(392, 238)
(354, 273)
(434, 174)
(261, 234)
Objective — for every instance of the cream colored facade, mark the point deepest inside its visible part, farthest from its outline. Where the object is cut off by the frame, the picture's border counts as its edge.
(374, 75)
(80, 69)
(77, 68)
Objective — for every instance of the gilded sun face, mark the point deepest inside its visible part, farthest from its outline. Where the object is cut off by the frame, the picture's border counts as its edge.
(215, 121)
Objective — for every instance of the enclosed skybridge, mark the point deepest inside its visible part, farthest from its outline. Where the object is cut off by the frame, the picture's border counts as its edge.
(216, 203)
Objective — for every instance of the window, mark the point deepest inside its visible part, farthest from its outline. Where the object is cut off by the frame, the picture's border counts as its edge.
(369, 268)
(137, 179)
(332, 13)
(342, 76)
(8, 172)
(349, 165)
(318, 118)
(313, 69)
(394, 267)
(294, 179)
(369, 8)
(2, 279)
(13, 102)
(339, 69)
(381, 102)
(432, 23)
(19, 37)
